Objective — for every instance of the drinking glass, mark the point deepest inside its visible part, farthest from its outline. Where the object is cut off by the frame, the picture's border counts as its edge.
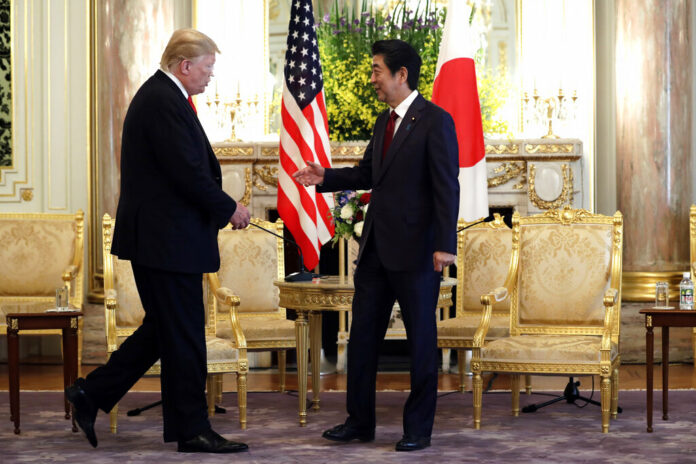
(62, 299)
(661, 295)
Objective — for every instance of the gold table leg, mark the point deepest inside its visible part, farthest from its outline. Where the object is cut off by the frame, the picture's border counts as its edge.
(301, 335)
(315, 353)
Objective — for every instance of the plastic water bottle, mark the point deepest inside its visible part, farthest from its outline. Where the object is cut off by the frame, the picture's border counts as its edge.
(686, 292)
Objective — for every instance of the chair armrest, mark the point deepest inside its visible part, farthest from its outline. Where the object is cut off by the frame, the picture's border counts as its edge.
(70, 273)
(228, 299)
(610, 299)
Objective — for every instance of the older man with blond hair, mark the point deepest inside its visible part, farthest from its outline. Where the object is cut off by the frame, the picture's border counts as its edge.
(170, 181)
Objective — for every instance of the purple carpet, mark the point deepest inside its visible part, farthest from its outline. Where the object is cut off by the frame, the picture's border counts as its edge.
(559, 433)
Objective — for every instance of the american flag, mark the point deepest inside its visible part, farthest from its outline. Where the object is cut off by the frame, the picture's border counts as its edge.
(304, 136)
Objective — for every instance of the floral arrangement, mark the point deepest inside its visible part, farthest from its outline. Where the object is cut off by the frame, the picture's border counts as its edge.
(349, 213)
(345, 41)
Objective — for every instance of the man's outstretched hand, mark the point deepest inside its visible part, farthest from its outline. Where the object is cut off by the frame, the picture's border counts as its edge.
(312, 174)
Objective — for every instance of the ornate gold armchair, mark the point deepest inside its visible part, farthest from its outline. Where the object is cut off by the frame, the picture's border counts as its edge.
(483, 259)
(564, 285)
(39, 253)
(251, 260)
(124, 314)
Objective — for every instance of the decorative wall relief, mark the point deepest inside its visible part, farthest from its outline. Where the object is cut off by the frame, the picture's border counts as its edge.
(5, 87)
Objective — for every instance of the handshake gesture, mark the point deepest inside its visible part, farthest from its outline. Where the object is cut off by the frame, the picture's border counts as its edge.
(240, 218)
(312, 174)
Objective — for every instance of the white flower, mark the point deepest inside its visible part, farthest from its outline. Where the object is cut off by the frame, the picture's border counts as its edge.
(357, 228)
(365, 210)
(347, 212)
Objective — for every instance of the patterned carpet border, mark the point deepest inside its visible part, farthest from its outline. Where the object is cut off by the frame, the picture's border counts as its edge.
(559, 433)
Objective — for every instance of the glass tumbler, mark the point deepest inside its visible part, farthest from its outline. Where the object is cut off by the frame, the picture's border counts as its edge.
(62, 299)
(661, 294)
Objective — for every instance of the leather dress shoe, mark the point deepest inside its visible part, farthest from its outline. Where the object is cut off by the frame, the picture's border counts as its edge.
(346, 433)
(84, 410)
(412, 444)
(210, 442)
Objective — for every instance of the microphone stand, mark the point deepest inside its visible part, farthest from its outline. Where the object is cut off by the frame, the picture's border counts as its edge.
(303, 275)
(487, 219)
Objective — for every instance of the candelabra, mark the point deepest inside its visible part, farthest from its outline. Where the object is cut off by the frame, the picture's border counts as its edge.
(234, 117)
(541, 112)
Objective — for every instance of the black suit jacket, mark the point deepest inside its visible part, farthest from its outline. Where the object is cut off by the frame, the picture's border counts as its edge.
(415, 189)
(172, 203)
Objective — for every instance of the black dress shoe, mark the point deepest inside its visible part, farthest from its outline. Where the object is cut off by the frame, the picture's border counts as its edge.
(346, 433)
(210, 442)
(84, 410)
(412, 444)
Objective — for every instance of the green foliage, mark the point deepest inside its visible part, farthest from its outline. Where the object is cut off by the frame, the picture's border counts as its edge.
(345, 40)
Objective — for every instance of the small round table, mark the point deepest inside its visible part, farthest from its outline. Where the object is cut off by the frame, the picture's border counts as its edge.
(309, 300)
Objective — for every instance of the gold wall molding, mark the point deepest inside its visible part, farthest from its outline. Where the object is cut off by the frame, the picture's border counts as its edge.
(248, 185)
(270, 151)
(550, 148)
(509, 170)
(222, 152)
(268, 174)
(27, 194)
(565, 197)
(499, 149)
(640, 285)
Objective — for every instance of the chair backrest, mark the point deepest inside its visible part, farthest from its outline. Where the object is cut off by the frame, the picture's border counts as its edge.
(483, 262)
(129, 313)
(250, 260)
(565, 260)
(37, 248)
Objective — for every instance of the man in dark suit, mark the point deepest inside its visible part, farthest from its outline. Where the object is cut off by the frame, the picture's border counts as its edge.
(411, 165)
(170, 210)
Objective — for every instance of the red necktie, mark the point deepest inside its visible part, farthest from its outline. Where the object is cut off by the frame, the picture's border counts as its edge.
(190, 100)
(389, 132)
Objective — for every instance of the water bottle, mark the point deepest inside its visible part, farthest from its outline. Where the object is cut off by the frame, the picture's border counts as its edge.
(686, 292)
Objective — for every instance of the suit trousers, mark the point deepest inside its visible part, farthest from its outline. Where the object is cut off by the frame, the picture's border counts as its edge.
(172, 331)
(376, 289)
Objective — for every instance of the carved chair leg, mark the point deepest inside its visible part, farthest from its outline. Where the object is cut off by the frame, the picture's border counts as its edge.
(605, 400)
(242, 399)
(614, 393)
(80, 334)
(528, 384)
(515, 387)
(282, 361)
(446, 355)
(210, 390)
(218, 389)
(461, 365)
(478, 393)
(113, 418)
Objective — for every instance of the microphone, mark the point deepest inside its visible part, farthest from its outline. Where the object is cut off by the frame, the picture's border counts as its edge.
(303, 275)
(486, 219)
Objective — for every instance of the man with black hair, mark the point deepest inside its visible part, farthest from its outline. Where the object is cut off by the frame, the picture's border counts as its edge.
(411, 165)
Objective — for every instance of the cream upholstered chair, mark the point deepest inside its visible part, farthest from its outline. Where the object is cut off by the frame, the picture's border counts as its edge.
(251, 260)
(564, 286)
(692, 253)
(124, 314)
(40, 252)
(483, 259)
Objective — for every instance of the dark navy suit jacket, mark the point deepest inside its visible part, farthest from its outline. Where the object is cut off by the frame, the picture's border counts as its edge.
(415, 189)
(172, 203)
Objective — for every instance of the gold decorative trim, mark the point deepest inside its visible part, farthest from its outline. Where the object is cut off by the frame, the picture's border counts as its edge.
(270, 151)
(640, 286)
(546, 368)
(268, 174)
(566, 196)
(550, 148)
(27, 194)
(509, 171)
(499, 149)
(233, 151)
(248, 183)
(14, 323)
(348, 150)
(73, 322)
(648, 321)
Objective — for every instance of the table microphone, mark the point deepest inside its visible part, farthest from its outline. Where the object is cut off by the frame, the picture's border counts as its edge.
(303, 275)
(487, 219)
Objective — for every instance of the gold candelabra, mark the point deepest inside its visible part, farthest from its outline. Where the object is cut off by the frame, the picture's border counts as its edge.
(235, 110)
(545, 110)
